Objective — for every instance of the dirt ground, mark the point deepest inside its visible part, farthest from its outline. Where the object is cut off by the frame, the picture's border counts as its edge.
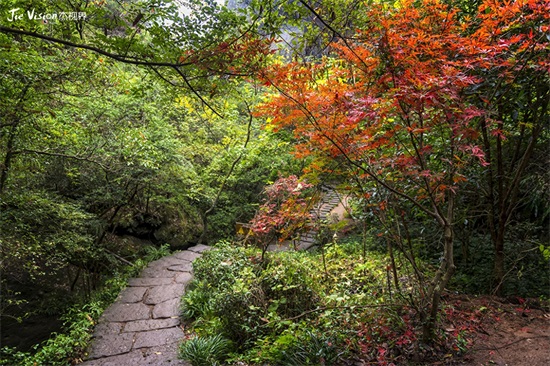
(512, 332)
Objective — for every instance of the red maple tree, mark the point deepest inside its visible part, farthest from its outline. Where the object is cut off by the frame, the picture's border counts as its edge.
(284, 212)
(391, 106)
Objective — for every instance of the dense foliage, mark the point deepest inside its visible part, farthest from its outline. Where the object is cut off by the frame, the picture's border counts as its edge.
(69, 346)
(103, 156)
(129, 124)
(302, 309)
(407, 113)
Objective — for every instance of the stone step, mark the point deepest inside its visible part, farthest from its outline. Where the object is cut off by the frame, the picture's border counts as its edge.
(308, 239)
(142, 327)
(305, 246)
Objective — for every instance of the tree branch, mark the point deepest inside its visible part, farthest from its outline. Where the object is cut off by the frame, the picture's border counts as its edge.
(186, 81)
(323, 308)
(235, 162)
(309, 115)
(114, 56)
(82, 158)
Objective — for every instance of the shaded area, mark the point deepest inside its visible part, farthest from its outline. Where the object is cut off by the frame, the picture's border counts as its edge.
(30, 332)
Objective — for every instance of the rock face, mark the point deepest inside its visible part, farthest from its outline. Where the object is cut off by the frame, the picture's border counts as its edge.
(142, 327)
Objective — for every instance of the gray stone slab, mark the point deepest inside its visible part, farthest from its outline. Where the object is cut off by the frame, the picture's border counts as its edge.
(156, 273)
(106, 328)
(174, 259)
(184, 277)
(187, 255)
(132, 294)
(167, 309)
(199, 248)
(158, 337)
(305, 246)
(155, 356)
(113, 344)
(158, 266)
(165, 356)
(159, 294)
(151, 324)
(139, 282)
(119, 312)
(156, 262)
(186, 267)
(165, 262)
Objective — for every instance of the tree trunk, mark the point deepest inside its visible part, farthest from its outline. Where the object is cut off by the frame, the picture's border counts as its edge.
(444, 273)
(499, 263)
(7, 158)
(204, 219)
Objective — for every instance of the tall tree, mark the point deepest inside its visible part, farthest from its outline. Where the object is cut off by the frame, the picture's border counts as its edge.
(515, 94)
(390, 107)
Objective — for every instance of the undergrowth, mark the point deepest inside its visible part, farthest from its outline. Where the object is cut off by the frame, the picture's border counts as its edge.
(69, 346)
(293, 309)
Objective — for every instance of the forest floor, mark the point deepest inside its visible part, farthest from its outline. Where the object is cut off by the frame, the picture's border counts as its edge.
(512, 332)
(496, 331)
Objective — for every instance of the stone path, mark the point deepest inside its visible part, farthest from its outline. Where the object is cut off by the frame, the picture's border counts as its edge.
(330, 204)
(143, 326)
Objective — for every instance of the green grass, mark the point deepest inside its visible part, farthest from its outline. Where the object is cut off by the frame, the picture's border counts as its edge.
(207, 350)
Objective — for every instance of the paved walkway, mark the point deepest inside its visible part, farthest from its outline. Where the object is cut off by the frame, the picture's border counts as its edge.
(143, 327)
(331, 203)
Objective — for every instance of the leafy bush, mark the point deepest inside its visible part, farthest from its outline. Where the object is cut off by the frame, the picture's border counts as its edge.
(238, 293)
(285, 310)
(307, 347)
(60, 349)
(293, 309)
(289, 286)
(197, 303)
(207, 350)
(222, 267)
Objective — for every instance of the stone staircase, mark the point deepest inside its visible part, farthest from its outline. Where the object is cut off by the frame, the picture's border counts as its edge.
(321, 211)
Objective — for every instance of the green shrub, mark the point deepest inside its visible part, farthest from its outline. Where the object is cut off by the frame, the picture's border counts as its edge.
(289, 286)
(222, 267)
(306, 347)
(238, 294)
(208, 350)
(197, 302)
(241, 312)
(61, 349)
(290, 309)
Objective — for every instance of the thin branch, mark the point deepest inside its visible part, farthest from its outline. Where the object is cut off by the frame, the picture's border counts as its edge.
(335, 32)
(323, 308)
(309, 115)
(184, 77)
(114, 56)
(222, 186)
(123, 260)
(82, 158)
(163, 77)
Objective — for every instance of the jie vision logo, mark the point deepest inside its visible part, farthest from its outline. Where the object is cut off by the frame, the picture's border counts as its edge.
(18, 14)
